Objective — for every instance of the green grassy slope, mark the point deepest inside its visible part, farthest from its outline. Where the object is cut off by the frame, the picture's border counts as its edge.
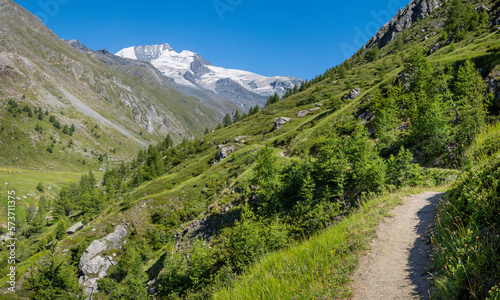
(133, 107)
(229, 218)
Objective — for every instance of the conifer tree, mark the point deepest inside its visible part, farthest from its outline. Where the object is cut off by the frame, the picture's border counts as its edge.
(256, 109)
(469, 90)
(273, 99)
(227, 120)
(61, 228)
(53, 278)
(236, 117)
(372, 54)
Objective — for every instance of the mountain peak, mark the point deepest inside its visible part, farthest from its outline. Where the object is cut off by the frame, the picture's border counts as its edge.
(190, 69)
(147, 52)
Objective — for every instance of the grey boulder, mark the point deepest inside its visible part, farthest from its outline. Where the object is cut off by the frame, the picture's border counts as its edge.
(279, 122)
(223, 153)
(94, 264)
(74, 228)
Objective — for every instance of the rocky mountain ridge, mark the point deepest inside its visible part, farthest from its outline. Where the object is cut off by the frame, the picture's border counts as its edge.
(127, 101)
(189, 69)
(414, 11)
(148, 73)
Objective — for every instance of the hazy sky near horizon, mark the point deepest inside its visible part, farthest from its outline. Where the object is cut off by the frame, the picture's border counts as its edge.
(273, 37)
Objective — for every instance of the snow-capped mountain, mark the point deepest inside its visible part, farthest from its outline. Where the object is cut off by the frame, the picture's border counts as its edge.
(190, 69)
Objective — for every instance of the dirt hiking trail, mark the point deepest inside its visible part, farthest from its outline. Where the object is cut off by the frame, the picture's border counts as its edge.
(395, 267)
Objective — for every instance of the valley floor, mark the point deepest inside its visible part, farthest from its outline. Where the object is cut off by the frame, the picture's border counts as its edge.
(396, 266)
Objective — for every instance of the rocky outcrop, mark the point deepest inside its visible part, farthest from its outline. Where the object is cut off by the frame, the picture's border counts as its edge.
(304, 113)
(279, 122)
(366, 117)
(223, 153)
(493, 81)
(416, 10)
(94, 263)
(240, 139)
(74, 228)
(405, 80)
(353, 94)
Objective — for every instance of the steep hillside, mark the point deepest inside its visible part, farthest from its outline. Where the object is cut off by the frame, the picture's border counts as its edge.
(115, 108)
(148, 73)
(284, 201)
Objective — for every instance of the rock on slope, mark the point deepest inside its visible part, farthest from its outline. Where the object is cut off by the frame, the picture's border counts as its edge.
(94, 263)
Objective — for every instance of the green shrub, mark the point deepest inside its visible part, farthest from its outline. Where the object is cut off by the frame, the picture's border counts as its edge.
(494, 48)
(466, 234)
(243, 243)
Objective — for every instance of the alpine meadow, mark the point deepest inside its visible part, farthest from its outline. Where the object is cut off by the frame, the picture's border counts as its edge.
(153, 174)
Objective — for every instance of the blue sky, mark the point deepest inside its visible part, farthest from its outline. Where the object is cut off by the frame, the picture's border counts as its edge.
(273, 37)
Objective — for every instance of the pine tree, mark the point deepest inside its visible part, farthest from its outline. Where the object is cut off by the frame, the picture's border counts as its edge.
(421, 71)
(431, 125)
(207, 131)
(273, 99)
(469, 89)
(227, 120)
(168, 143)
(484, 18)
(53, 278)
(61, 228)
(236, 117)
(256, 109)
(332, 165)
(342, 72)
(372, 54)
(306, 193)
(399, 167)
(39, 223)
(399, 42)
(266, 177)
